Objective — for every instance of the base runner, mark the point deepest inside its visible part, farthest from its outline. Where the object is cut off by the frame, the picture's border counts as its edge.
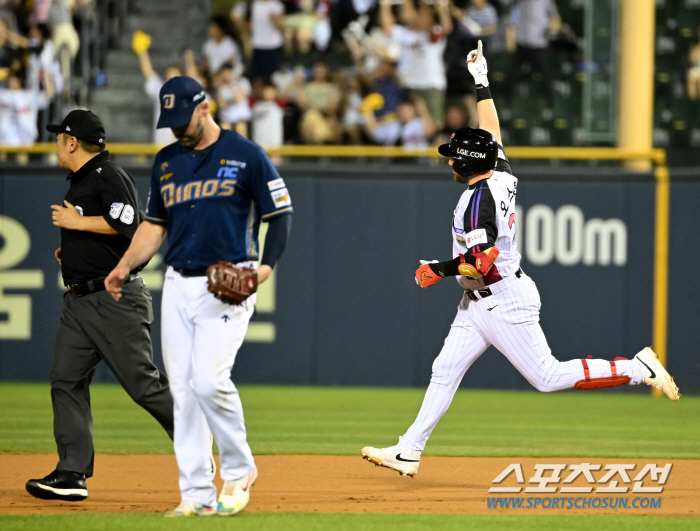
(501, 304)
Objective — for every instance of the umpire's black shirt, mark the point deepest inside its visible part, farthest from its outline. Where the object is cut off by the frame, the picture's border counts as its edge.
(99, 188)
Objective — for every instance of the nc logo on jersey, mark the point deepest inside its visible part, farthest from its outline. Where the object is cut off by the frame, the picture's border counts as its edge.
(227, 172)
(168, 101)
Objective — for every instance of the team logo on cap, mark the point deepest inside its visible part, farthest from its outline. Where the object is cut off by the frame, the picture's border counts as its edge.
(67, 128)
(199, 96)
(168, 101)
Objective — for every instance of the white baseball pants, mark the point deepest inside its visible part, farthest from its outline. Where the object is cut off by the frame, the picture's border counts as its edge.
(201, 336)
(508, 320)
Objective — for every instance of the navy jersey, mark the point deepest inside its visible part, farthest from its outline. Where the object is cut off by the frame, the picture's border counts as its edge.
(213, 200)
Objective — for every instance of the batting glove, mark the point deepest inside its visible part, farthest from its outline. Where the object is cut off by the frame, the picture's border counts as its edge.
(425, 276)
(477, 66)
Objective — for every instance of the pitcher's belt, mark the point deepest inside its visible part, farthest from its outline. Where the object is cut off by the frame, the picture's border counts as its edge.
(486, 292)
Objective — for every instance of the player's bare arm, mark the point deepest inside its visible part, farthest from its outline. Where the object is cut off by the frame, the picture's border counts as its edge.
(68, 217)
(147, 240)
(486, 110)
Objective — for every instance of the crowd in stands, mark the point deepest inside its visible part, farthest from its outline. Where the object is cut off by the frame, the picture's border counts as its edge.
(38, 42)
(388, 72)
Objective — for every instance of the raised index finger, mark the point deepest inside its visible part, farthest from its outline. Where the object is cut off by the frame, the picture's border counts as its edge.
(479, 52)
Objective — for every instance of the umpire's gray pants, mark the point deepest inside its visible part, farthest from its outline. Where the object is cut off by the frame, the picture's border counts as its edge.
(94, 328)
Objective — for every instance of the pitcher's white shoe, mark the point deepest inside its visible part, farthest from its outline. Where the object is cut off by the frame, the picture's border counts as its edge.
(398, 458)
(235, 494)
(188, 508)
(655, 374)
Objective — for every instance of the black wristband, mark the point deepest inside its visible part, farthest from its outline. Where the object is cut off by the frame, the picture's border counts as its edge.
(482, 93)
(446, 269)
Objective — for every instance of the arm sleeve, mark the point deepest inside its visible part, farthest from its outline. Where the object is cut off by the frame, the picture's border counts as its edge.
(120, 203)
(269, 189)
(276, 239)
(502, 163)
(155, 208)
(480, 228)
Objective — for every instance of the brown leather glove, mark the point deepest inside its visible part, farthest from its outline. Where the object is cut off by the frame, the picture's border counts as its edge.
(230, 283)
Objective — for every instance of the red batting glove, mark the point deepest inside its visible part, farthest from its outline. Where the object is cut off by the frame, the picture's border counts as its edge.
(425, 276)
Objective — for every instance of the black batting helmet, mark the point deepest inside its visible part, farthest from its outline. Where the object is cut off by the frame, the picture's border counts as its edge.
(473, 150)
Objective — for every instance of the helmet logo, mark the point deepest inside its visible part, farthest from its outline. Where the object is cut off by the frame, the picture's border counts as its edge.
(472, 154)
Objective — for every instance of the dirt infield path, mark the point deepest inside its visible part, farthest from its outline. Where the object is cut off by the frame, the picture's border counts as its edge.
(336, 484)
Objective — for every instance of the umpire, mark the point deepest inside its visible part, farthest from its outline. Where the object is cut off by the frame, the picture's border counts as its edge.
(98, 219)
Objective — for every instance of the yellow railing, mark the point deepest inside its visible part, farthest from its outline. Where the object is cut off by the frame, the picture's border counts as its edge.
(657, 156)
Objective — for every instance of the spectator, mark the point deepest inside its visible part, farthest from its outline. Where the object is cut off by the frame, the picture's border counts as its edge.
(267, 121)
(412, 129)
(352, 115)
(463, 39)
(346, 11)
(7, 13)
(455, 118)
(18, 113)
(65, 38)
(532, 22)
(140, 44)
(421, 67)
(266, 26)
(9, 53)
(40, 12)
(299, 28)
(238, 16)
(220, 48)
(233, 92)
(486, 17)
(319, 100)
(42, 68)
(694, 70)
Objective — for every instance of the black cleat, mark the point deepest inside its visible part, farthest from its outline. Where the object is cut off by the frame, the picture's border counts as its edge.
(59, 485)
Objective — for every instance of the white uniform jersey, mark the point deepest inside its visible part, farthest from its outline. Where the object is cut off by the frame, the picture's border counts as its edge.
(485, 217)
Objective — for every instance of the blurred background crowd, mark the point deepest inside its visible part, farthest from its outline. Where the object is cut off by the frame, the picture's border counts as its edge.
(387, 72)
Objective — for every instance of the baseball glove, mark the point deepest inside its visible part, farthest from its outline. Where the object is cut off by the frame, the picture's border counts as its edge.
(231, 284)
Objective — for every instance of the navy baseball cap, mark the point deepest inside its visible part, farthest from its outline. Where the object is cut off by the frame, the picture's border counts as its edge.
(84, 125)
(178, 98)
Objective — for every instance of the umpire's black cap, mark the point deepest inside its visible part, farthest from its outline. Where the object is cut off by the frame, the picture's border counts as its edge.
(473, 150)
(83, 125)
(178, 98)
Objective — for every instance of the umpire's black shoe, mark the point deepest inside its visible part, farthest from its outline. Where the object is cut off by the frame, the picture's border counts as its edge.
(59, 485)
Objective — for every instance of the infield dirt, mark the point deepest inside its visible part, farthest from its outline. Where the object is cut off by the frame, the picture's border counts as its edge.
(308, 483)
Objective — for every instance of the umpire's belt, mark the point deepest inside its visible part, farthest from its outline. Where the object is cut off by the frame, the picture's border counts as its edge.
(486, 292)
(92, 286)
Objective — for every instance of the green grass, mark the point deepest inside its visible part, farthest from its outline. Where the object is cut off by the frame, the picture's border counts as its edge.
(340, 421)
(341, 522)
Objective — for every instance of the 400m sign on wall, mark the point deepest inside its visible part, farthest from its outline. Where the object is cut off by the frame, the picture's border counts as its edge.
(567, 237)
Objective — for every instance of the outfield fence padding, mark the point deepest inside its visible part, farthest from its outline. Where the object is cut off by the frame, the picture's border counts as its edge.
(345, 309)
